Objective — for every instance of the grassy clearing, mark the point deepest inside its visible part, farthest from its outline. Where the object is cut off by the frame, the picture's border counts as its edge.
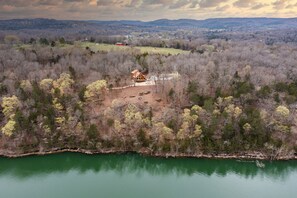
(109, 47)
(29, 46)
(24, 46)
(151, 50)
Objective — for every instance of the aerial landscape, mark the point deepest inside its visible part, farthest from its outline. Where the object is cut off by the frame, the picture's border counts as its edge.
(148, 98)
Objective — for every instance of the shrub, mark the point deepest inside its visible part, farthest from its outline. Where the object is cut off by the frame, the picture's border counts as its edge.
(142, 138)
(110, 122)
(172, 124)
(290, 99)
(280, 87)
(62, 40)
(64, 83)
(72, 72)
(3, 89)
(295, 149)
(21, 121)
(43, 41)
(218, 92)
(9, 105)
(243, 88)
(292, 89)
(276, 97)
(9, 128)
(192, 87)
(92, 132)
(284, 87)
(94, 91)
(50, 118)
(282, 111)
(264, 92)
(198, 99)
(208, 105)
(40, 96)
(81, 93)
(171, 93)
(228, 131)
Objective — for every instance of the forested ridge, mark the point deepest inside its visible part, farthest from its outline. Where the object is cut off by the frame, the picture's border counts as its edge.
(230, 97)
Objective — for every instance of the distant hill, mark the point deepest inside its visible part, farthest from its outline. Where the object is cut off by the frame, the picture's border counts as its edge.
(39, 24)
(216, 23)
(227, 23)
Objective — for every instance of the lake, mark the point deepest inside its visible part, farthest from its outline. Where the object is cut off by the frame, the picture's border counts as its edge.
(127, 176)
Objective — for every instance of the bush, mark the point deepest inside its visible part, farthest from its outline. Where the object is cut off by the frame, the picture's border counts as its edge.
(81, 94)
(292, 89)
(264, 92)
(32, 41)
(72, 72)
(208, 145)
(208, 104)
(198, 99)
(192, 87)
(50, 118)
(280, 87)
(110, 122)
(276, 98)
(3, 89)
(141, 137)
(92, 132)
(219, 92)
(243, 88)
(290, 99)
(295, 149)
(166, 147)
(258, 134)
(172, 124)
(39, 96)
(284, 87)
(171, 93)
(43, 41)
(62, 40)
(21, 121)
(228, 131)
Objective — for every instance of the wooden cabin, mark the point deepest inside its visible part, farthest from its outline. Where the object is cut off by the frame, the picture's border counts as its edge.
(137, 76)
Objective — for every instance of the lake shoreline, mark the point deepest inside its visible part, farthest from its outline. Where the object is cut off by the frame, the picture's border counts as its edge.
(240, 156)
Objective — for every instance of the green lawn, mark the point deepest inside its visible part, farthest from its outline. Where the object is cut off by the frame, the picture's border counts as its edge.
(26, 46)
(152, 50)
(109, 47)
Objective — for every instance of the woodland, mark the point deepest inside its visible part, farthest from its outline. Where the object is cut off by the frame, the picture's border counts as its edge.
(230, 96)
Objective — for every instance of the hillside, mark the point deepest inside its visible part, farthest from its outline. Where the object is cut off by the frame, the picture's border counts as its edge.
(216, 23)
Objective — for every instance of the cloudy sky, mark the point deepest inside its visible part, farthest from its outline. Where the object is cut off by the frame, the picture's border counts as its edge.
(145, 9)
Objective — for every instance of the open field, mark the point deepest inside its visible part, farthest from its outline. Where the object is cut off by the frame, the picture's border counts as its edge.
(29, 46)
(110, 47)
(151, 50)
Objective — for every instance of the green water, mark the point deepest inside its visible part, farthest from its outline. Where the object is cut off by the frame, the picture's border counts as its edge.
(128, 176)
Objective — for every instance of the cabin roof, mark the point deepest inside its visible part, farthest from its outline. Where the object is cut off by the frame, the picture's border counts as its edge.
(136, 73)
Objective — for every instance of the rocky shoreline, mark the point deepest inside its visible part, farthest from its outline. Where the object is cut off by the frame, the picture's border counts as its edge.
(240, 156)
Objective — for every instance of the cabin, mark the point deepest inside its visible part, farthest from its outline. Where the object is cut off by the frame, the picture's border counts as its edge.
(137, 76)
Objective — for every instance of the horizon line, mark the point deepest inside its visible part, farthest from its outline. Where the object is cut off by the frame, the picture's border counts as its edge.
(151, 20)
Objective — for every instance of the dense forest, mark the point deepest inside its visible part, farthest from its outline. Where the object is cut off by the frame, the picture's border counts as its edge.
(230, 96)
(157, 33)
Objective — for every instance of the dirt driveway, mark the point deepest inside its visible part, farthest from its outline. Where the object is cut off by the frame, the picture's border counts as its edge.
(145, 95)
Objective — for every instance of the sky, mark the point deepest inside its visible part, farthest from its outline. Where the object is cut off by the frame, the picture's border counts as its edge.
(145, 10)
